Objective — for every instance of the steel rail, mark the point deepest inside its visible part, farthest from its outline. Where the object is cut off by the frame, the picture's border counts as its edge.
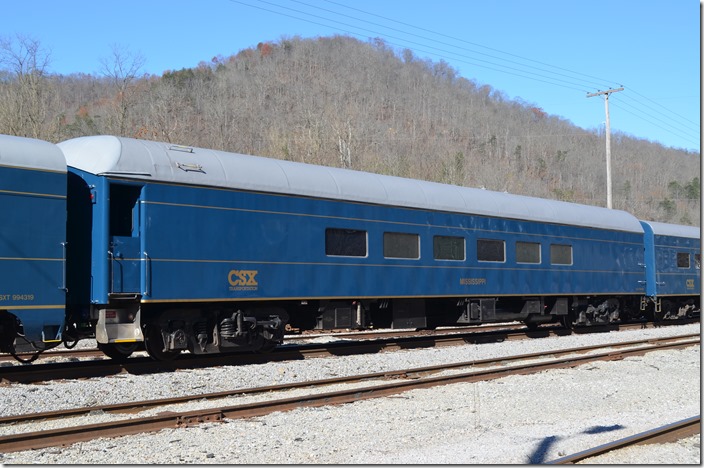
(70, 435)
(141, 365)
(292, 339)
(142, 405)
(375, 334)
(667, 433)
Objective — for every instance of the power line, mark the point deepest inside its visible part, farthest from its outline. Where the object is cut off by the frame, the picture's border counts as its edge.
(672, 112)
(656, 125)
(499, 51)
(691, 125)
(467, 42)
(446, 43)
(674, 128)
(554, 82)
(573, 83)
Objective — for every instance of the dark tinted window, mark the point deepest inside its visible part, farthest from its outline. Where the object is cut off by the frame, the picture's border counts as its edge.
(401, 245)
(527, 252)
(490, 250)
(682, 259)
(560, 254)
(448, 248)
(346, 242)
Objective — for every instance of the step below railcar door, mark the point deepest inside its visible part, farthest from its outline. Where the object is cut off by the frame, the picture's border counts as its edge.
(125, 249)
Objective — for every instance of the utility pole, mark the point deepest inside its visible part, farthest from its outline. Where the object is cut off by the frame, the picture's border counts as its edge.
(608, 141)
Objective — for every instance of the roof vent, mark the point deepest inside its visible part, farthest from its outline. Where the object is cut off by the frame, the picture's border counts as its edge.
(185, 149)
(190, 167)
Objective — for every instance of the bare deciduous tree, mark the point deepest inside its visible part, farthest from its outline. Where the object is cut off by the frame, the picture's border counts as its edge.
(27, 95)
(122, 71)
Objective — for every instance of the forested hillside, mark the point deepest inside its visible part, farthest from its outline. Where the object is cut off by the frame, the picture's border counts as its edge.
(341, 102)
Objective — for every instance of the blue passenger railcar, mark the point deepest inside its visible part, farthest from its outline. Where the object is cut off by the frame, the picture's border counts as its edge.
(204, 250)
(673, 267)
(32, 243)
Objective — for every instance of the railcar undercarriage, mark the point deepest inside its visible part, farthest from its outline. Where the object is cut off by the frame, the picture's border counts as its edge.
(126, 326)
(571, 311)
(171, 331)
(165, 332)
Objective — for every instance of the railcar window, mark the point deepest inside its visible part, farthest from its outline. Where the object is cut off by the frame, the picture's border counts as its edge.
(401, 245)
(527, 252)
(491, 250)
(345, 242)
(448, 248)
(682, 259)
(698, 261)
(560, 254)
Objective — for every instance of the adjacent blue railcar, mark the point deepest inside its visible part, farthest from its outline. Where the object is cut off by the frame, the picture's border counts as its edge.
(673, 267)
(32, 243)
(205, 250)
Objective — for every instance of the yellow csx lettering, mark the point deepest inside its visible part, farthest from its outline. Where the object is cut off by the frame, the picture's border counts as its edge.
(242, 278)
(690, 284)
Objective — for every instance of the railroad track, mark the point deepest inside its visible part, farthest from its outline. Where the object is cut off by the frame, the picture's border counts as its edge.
(84, 353)
(660, 435)
(287, 352)
(387, 383)
(353, 343)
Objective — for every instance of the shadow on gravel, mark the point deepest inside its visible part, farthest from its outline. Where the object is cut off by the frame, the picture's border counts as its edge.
(600, 429)
(538, 456)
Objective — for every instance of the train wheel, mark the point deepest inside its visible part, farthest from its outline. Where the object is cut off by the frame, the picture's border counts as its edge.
(567, 320)
(118, 351)
(154, 343)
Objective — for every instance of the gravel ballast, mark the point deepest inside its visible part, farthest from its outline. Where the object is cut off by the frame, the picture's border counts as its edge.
(520, 419)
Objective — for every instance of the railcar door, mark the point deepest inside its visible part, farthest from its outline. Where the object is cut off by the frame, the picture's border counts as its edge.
(124, 249)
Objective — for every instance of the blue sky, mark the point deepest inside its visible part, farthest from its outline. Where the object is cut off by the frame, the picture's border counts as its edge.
(549, 53)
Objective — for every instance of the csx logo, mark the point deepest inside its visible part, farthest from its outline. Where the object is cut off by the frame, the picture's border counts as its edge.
(690, 284)
(242, 278)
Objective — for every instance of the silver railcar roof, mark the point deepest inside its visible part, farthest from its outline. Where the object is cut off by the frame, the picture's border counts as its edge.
(676, 230)
(164, 162)
(29, 153)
